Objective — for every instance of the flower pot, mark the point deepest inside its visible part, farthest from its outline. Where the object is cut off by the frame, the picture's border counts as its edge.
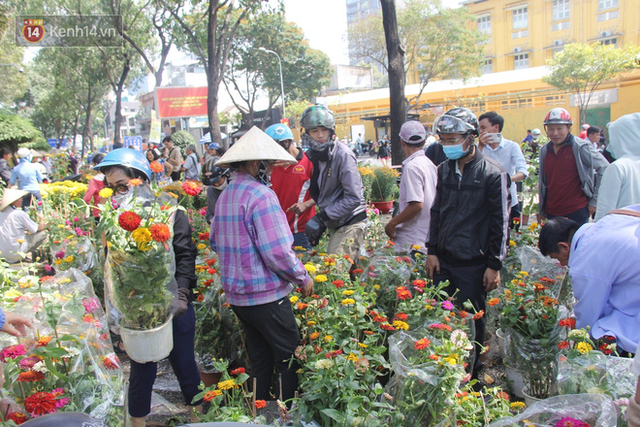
(210, 378)
(150, 345)
(501, 343)
(529, 400)
(515, 378)
(383, 207)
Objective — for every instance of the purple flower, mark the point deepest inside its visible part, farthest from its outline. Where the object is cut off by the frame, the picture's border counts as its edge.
(447, 305)
(47, 267)
(59, 254)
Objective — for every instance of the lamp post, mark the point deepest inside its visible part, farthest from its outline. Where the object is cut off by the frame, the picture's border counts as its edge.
(284, 113)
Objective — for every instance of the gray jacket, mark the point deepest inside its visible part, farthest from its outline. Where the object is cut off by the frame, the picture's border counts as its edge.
(587, 160)
(341, 196)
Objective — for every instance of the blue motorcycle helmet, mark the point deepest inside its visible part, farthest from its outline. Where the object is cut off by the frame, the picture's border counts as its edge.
(279, 132)
(132, 159)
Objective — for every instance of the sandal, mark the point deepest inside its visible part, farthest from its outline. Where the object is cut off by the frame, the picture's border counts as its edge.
(119, 348)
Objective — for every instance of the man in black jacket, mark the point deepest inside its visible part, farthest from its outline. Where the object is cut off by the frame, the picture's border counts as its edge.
(469, 218)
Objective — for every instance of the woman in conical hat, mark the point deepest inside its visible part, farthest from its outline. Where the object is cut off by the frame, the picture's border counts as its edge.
(14, 224)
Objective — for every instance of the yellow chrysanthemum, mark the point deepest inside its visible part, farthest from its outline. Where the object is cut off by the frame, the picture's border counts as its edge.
(512, 243)
(293, 299)
(311, 323)
(376, 287)
(399, 324)
(348, 301)
(584, 347)
(142, 236)
(105, 193)
(347, 293)
(517, 405)
(353, 357)
(362, 345)
(321, 278)
(201, 246)
(328, 338)
(226, 385)
(69, 258)
(310, 267)
(524, 274)
(450, 360)
(58, 261)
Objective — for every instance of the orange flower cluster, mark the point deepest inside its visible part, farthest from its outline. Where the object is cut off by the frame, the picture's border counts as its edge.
(421, 344)
(160, 232)
(192, 188)
(129, 220)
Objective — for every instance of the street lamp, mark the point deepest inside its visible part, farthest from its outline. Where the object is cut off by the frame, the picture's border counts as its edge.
(284, 113)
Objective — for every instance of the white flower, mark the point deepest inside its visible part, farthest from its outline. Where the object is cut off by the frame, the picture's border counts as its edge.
(324, 364)
(40, 367)
(71, 352)
(578, 334)
(460, 339)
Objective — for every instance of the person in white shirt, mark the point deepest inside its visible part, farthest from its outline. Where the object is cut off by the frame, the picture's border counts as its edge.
(505, 152)
(191, 166)
(14, 225)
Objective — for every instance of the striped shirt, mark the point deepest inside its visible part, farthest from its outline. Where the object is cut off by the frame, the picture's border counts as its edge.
(252, 237)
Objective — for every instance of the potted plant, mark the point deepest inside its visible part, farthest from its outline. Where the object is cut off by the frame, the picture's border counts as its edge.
(384, 188)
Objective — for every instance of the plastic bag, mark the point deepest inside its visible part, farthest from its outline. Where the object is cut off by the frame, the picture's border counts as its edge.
(387, 273)
(596, 373)
(76, 252)
(595, 409)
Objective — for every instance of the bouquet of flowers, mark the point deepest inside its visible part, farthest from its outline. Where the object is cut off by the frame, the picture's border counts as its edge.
(140, 266)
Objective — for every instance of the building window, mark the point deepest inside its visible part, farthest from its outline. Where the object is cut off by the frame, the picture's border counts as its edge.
(607, 4)
(132, 122)
(484, 25)
(520, 18)
(612, 41)
(520, 34)
(521, 61)
(488, 66)
(561, 26)
(560, 9)
(613, 14)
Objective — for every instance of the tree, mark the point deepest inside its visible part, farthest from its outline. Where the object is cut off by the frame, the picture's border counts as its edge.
(16, 130)
(439, 43)
(208, 30)
(13, 79)
(395, 52)
(582, 68)
(251, 72)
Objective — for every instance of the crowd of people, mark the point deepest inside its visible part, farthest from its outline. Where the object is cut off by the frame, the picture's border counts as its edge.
(268, 198)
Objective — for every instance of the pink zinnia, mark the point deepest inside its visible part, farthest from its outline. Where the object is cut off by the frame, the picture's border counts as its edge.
(447, 305)
(12, 352)
(29, 362)
(90, 305)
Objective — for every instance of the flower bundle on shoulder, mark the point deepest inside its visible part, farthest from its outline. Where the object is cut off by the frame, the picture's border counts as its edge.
(140, 264)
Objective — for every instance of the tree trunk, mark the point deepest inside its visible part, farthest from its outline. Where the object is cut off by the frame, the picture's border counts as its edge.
(395, 53)
(213, 77)
(86, 131)
(117, 139)
(75, 132)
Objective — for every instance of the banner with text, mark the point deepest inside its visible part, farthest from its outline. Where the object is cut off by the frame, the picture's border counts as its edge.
(181, 101)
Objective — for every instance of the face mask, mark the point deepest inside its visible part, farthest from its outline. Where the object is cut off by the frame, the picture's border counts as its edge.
(222, 186)
(122, 198)
(263, 175)
(454, 152)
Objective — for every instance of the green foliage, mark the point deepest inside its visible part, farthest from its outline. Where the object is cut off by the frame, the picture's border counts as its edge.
(182, 139)
(40, 144)
(16, 130)
(581, 68)
(384, 186)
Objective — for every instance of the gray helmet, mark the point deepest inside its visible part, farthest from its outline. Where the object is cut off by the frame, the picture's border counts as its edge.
(457, 120)
(316, 116)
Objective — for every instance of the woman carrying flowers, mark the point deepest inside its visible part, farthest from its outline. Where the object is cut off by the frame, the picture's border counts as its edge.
(124, 169)
(251, 234)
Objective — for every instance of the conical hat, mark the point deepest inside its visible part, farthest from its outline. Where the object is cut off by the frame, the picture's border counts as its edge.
(256, 145)
(10, 195)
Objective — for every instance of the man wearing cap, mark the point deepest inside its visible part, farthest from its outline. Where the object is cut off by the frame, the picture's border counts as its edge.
(409, 230)
(258, 267)
(28, 176)
(212, 151)
(14, 223)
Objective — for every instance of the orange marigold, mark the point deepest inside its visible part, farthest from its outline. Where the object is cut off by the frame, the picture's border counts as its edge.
(261, 404)
(210, 395)
(156, 167)
(493, 301)
(160, 232)
(43, 341)
(192, 188)
(135, 182)
(478, 315)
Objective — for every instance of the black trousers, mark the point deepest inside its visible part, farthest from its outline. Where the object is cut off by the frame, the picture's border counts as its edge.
(468, 281)
(182, 360)
(272, 338)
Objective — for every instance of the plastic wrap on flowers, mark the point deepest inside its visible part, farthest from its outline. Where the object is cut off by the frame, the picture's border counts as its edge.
(74, 252)
(386, 273)
(428, 365)
(594, 409)
(140, 286)
(537, 265)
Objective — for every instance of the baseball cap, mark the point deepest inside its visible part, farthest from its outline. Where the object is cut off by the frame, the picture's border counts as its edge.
(214, 146)
(413, 132)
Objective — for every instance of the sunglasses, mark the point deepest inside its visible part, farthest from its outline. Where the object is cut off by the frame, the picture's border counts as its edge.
(118, 188)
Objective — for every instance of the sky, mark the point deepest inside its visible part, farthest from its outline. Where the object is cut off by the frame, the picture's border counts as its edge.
(324, 23)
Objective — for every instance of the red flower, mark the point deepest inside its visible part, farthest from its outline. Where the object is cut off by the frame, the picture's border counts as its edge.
(338, 283)
(17, 417)
(129, 220)
(387, 327)
(333, 353)
(419, 283)
(569, 322)
(367, 332)
(211, 261)
(111, 362)
(421, 344)
(463, 314)
(212, 271)
(401, 316)
(160, 232)
(238, 371)
(261, 404)
(403, 293)
(357, 271)
(191, 188)
(156, 167)
(605, 349)
(478, 315)
(40, 403)
(203, 236)
(200, 298)
(563, 345)
(30, 376)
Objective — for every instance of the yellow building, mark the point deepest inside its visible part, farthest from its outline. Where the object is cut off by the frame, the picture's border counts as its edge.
(522, 36)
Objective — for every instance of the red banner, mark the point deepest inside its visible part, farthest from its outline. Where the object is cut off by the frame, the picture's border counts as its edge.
(181, 101)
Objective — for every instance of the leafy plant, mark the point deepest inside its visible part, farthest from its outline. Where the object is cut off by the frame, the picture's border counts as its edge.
(384, 186)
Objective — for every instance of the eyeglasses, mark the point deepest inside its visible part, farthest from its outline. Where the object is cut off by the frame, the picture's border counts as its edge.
(452, 141)
(119, 188)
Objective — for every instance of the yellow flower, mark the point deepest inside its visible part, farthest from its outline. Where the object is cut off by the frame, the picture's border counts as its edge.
(321, 278)
(58, 261)
(416, 247)
(524, 274)
(201, 246)
(311, 323)
(353, 357)
(429, 307)
(512, 243)
(293, 299)
(348, 301)
(310, 267)
(20, 241)
(583, 347)
(533, 226)
(142, 236)
(362, 345)
(69, 259)
(226, 385)
(65, 280)
(347, 292)
(450, 360)
(517, 405)
(105, 193)
(12, 293)
(328, 338)
(399, 324)
(376, 287)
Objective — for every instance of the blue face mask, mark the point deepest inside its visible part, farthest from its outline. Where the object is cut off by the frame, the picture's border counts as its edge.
(454, 152)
